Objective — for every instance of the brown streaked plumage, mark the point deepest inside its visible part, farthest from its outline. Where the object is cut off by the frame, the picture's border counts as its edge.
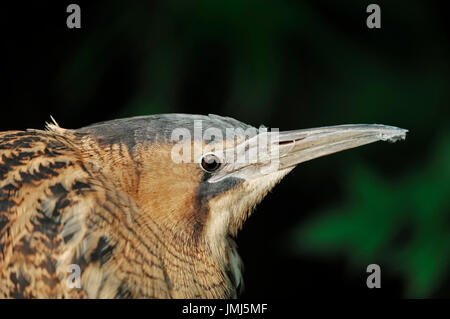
(111, 199)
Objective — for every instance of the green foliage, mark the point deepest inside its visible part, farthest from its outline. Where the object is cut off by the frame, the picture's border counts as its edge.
(402, 225)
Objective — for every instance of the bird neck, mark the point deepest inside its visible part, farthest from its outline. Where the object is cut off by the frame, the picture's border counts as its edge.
(114, 161)
(168, 214)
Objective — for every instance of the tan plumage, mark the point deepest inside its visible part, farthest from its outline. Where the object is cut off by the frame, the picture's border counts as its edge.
(59, 208)
(136, 223)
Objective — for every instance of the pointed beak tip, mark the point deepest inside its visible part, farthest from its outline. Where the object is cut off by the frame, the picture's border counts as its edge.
(392, 134)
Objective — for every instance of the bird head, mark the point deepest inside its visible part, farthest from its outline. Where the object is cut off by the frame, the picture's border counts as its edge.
(199, 177)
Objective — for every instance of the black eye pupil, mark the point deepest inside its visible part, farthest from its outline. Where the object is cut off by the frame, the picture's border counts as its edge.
(210, 163)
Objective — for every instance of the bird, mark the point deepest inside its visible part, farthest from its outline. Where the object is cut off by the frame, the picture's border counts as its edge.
(146, 206)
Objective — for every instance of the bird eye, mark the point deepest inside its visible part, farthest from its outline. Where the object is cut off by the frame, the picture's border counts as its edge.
(210, 162)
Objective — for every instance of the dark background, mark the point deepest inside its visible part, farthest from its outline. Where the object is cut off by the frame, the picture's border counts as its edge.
(285, 64)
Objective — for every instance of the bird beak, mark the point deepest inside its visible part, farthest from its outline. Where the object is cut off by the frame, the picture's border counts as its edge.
(300, 146)
(284, 150)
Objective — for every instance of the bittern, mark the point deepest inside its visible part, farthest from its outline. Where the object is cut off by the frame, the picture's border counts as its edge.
(114, 200)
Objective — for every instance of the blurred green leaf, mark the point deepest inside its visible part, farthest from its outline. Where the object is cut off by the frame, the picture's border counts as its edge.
(368, 227)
